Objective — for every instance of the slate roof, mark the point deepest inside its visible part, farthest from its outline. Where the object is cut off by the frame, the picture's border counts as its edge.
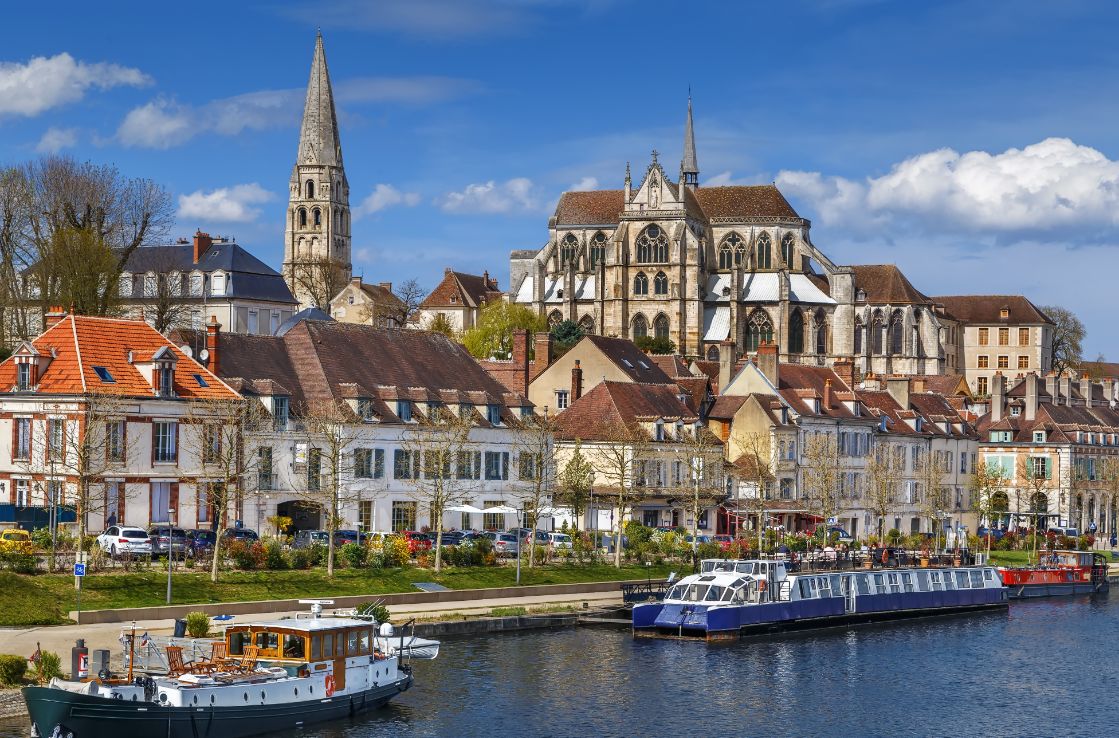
(630, 359)
(986, 308)
(885, 283)
(81, 342)
(610, 406)
(250, 278)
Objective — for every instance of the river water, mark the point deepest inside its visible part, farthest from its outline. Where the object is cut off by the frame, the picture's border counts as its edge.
(1043, 668)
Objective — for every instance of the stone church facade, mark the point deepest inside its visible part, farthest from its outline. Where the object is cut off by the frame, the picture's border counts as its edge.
(711, 267)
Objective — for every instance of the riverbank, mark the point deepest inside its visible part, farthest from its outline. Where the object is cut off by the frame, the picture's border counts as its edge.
(11, 704)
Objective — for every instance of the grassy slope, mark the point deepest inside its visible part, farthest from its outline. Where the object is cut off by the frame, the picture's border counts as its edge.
(44, 598)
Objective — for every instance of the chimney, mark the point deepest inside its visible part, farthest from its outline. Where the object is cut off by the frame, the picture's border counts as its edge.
(767, 362)
(1031, 396)
(212, 330)
(576, 381)
(998, 397)
(1066, 388)
(827, 395)
(918, 384)
(202, 244)
(726, 364)
(355, 282)
(386, 286)
(1051, 387)
(898, 387)
(845, 370)
(543, 352)
(520, 355)
(486, 278)
(1086, 389)
(52, 318)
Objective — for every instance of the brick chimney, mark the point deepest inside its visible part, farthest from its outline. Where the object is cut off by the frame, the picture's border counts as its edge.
(542, 352)
(576, 381)
(213, 328)
(520, 356)
(898, 387)
(827, 395)
(202, 244)
(845, 370)
(998, 397)
(54, 316)
(386, 286)
(1086, 389)
(355, 282)
(767, 362)
(1031, 396)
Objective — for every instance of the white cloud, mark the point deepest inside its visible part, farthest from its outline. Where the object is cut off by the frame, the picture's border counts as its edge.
(512, 196)
(47, 82)
(407, 90)
(57, 139)
(386, 196)
(225, 204)
(1051, 185)
(584, 185)
(159, 124)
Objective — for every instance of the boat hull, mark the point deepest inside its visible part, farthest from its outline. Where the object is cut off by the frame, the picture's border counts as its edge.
(86, 716)
(1054, 589)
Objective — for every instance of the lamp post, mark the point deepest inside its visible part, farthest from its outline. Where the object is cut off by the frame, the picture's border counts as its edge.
(170, 549)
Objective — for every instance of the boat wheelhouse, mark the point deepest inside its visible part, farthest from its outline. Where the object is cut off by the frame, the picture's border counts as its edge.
(727, 599)
(1058, 573)
(262, 677)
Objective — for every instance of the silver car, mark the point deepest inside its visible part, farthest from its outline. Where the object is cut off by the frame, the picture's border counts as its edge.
(164, 538)
(118, 540)
(559, 540)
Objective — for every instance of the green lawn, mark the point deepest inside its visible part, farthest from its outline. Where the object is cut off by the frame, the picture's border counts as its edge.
(46, 598)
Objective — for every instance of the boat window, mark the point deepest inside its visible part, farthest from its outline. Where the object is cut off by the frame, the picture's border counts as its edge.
(739, 582)
(879, 584)
(907, 580)
(676, 593)
(836, 585)
(961, 580)
(923, 581)
(294, 646)
(365, 641)
(714, 593)
(316, 648)
(238, 641)
(976, 579)
(707, 566)
(267, 641)
(864, 584)
(988, 574)
(328, 645)
(823, 586)
(805, 592)
(936, 585)
(744, 568)
(947, 578)
(351, 643)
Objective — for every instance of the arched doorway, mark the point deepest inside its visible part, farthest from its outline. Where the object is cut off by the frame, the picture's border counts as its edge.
(1000, 510)
(304, 515)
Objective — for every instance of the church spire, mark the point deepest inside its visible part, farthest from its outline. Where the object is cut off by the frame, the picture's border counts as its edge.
(689, 167)
(318, 137)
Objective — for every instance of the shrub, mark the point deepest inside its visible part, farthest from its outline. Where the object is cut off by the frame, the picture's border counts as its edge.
(354, 554)
(198, 624)
(20, 563)
(505, 612)
(275, 557)
(893, 537)
(709, 550)
(12, 669)
(247, 556)
(302, 558)
(48, 667)
(425, 560)
(638, 533)
(396, 551)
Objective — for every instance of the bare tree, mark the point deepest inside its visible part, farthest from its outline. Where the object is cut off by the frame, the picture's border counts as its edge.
(988, 492)
(756, 467)
(396, 313)
(1033, 478)
(15, 254)
(318, 280)
(702, 484)
(321, 475)
(535, 470)
(218, 443)
(441, 449)
(575, 482)
(820, 477)
(1068, 338)
(615, 460)
(883, 473)
(933, 498)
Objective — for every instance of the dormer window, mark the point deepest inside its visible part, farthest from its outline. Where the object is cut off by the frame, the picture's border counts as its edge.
(151, 285)
(217, 284)
(23, 376)
(280, 409)
(493, 414)
(1015, 411)
(365, 408)
(125, 285)
(166, 386)
(917, 424)
(104, 374)
(404, 410)
(1004, 313)
(659, 430)
(882, 424)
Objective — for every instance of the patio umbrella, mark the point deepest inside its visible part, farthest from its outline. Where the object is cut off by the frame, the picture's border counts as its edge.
(469, 509)
(501, 510)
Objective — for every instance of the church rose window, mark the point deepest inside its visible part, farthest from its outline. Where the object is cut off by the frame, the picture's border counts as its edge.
(660, 284)
(765, 252)
(652, 246)
(641, 284)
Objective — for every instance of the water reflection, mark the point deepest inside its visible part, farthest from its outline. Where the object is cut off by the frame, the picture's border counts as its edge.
(1041, 669)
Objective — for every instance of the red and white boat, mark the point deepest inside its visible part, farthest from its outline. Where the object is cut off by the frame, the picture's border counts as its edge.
(1058, 573)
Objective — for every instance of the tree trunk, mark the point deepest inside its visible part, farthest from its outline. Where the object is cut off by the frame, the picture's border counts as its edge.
(219, 515)
(439, 545)
(618, 543)
(531, 545)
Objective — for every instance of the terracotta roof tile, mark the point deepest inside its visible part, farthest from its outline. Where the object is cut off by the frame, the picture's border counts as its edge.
(610, 406)
(597, 207)
(987, 308)
(633, 361)
(744, 201)
(458, 289)
(885, 283)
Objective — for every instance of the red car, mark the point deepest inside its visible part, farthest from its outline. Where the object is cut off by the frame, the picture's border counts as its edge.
(416, 541)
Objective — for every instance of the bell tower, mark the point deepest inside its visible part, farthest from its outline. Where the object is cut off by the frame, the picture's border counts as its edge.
(317, 234)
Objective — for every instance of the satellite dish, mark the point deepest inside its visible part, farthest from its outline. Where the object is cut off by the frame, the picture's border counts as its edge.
(204, 355)
(186, 350)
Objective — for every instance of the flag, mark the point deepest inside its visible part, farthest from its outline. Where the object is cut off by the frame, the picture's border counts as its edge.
(35, 657)
(145, 640)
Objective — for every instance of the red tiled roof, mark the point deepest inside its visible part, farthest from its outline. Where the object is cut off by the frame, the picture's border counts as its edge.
(82, 342)
(604, 207)
(885, 283)
(987, 308)
(610, 408)
(467, 290)
(597, 207)
(633, 361)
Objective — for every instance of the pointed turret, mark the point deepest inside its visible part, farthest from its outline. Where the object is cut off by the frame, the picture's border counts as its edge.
(318, 137)
(689, 167)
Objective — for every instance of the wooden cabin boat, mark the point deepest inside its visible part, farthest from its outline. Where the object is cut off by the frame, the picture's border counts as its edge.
(264, 677)
(1058, 573)
(728, 599)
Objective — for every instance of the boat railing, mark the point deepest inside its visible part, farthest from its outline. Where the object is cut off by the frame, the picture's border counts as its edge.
(150, 651)
(649, 591)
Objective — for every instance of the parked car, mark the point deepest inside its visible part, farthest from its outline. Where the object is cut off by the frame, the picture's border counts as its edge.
(450, 537)
(702, 538)
(200, 541)
(523, 534)
(559, 540)
(309, 538)
(605, 540)
(996, 533)
(240, 534)
(15, 540)
(417, 541)
(342, 537)
(168, 540)
(1070, 532)
(844, 536)
(118, 540)
(506, 544)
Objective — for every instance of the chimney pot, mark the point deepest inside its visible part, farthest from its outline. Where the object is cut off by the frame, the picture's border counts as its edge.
(213, 328)
(542, 352)
(202, 244)
(576, 381)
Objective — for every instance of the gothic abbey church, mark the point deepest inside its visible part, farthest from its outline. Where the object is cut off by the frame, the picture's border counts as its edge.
(712, 266)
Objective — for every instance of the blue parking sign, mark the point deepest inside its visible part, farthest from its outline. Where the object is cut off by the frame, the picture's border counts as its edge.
(79, 570)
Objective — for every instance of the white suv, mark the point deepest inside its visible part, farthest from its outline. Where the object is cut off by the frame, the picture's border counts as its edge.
(559, 540)
(121, 539)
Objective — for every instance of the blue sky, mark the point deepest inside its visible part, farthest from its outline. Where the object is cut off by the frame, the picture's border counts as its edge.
(970, 143)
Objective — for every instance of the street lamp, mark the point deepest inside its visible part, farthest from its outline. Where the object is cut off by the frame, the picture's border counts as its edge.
(170, 549)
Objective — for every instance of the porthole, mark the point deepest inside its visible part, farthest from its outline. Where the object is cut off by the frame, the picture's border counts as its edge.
(262, 695)
(162, 696)
(297, 691)
(246, 696)
(212, 700)
(195, 699)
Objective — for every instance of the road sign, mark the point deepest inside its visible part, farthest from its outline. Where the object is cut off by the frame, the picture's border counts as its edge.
(79, 570)
(833, 521)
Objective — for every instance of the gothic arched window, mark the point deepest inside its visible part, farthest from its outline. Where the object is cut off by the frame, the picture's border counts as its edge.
(712, 353)
(568, 248)
(598, 249)
(821, 333)
(316, 217)
(660, 326)
(731, 251)
(897, 338)
(660, 284)
(877, 328)
(310, 189)
(765, 252)
(796, 333)
(759, 330)
(858, 336)
(337, 219)
(640, 327)
(641, 284)
(586, 324)
(555, 318)
(787, 249)
(652, 246)
(302, 217)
